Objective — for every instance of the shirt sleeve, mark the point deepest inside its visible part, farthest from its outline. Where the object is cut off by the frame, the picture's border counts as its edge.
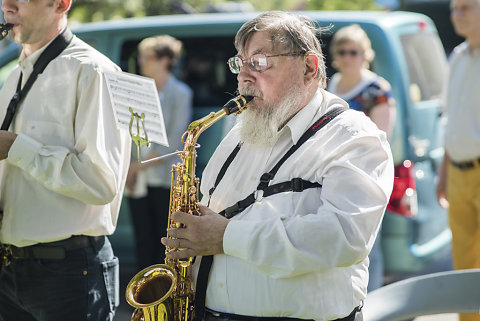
(92, 170)
(356, 184)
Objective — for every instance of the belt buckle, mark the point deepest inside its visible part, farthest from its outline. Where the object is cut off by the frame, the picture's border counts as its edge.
(6, 255)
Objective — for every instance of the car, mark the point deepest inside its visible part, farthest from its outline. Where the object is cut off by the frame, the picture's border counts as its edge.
(409, 54)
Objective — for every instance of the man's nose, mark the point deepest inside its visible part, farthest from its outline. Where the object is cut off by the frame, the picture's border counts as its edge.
(245, 76)
(8, 5)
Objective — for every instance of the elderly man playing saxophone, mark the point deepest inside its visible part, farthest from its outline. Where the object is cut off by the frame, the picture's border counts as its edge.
(302, 199)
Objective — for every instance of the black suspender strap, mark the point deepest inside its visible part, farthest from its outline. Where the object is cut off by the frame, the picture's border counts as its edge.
(325, 119)
(201, 287)
(224, 168)
(296, 185)
(50, 53)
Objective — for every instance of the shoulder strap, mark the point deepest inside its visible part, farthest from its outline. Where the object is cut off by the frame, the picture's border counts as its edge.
(296, 184)
(51, 52)
(325, 119)
(224, 168)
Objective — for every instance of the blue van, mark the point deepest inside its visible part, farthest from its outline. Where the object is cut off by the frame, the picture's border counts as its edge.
(409, 55)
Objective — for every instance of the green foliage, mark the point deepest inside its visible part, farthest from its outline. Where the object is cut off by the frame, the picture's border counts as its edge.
(341, 5)
(97, 10)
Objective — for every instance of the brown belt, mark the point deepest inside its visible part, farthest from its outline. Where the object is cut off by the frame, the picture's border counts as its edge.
(466, 164)
(54, 250)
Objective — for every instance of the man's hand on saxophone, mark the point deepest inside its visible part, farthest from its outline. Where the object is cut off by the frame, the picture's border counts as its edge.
(200, 235)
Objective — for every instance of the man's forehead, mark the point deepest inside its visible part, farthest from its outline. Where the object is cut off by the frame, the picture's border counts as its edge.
(257, 42)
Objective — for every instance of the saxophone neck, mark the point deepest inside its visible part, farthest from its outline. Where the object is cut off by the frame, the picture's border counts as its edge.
(233, 106)
(190, 137)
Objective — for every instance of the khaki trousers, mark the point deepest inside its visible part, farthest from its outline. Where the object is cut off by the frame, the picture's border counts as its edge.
(463, 194)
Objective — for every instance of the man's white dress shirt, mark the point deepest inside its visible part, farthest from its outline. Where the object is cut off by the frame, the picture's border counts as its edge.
(462, 136)
(66, 170)
(301, 254)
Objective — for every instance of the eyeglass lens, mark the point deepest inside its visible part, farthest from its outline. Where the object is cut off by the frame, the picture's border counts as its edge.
(257, 62)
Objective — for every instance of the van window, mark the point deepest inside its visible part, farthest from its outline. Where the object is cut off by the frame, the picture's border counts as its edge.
(426, 63)
(203, 66)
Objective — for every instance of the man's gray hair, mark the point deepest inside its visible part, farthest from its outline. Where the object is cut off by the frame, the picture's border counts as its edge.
(287, 31)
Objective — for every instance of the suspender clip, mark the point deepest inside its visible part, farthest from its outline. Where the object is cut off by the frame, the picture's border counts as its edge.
(266, 178)
(258, 194)
(297, 184)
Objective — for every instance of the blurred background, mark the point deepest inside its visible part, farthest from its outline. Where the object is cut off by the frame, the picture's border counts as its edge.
(98, 10)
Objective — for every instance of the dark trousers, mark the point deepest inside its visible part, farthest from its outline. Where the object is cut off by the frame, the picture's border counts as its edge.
(82, 286)
(150, 218)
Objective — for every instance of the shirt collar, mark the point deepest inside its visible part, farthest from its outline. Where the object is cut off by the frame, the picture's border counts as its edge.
(470, 51)
(27, 63)
(300, 122)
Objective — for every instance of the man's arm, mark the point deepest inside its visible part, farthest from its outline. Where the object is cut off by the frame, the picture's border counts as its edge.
(87, 162)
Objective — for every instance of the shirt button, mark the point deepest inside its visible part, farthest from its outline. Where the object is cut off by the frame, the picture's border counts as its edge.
(220, 285)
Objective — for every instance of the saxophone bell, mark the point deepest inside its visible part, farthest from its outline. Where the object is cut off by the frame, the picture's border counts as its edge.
(150, 292)
(4, 28)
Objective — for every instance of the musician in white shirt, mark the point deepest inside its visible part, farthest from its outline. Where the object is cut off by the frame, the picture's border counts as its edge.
(63, 168)
(299, 253)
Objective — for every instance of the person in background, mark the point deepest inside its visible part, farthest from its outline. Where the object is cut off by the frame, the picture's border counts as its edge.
(459, 177)
(63, 168)
(149, 210)
(295, 238)
(367, 92)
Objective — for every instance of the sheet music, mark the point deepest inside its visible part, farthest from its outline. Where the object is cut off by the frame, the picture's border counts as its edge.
(140, 94)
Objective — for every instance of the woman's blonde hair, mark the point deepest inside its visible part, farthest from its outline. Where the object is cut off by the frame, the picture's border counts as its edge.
(353, 33)
(162, 46)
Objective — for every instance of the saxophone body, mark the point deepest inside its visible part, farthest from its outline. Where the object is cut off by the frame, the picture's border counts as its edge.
(164, 292)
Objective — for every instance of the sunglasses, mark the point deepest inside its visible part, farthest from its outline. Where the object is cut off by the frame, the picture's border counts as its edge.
(343, 52)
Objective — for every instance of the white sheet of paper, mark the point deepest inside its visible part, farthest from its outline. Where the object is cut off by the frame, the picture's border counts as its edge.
(139, 93)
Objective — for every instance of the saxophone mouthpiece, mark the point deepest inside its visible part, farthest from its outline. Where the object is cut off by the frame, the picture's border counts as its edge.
(237, 104)
(4, 28)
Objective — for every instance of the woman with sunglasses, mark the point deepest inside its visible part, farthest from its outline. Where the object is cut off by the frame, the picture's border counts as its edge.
(364, 91)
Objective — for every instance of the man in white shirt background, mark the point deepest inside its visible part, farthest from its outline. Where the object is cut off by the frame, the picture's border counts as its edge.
(294, 241)
(63, 168)
(459, 178)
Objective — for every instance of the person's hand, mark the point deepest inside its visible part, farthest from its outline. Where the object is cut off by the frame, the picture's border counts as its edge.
(442, 194)
(441, 189)
(6, 140)
(199, 235)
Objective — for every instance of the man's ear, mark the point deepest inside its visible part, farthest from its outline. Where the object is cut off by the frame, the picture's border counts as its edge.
(310, 67)
(64, 5)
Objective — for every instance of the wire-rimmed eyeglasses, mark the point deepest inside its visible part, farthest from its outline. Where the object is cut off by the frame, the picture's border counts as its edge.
(257, 62)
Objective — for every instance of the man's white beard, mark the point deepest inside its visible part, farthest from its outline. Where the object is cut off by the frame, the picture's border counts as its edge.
(260, 126)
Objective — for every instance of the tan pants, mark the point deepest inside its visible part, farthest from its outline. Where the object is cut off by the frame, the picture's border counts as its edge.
(463, 193)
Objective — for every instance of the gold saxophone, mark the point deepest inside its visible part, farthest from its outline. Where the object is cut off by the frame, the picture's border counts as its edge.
(165, 291)
(4, 28)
